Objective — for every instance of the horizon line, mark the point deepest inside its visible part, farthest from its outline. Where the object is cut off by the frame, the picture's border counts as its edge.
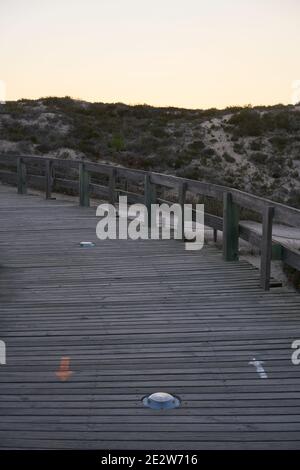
(233, 106)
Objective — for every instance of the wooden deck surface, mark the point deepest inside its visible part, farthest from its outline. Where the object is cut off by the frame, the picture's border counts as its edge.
(134, 318)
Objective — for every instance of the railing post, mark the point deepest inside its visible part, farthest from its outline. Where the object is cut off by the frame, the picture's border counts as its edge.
(84, 183)
(149, 196)
(49, 178)
(230, 229)
(181, 201)
(266, 247)
(112, 186)
(21, 176)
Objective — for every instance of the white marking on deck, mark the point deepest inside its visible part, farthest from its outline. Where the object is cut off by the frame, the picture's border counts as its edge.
(259, 368)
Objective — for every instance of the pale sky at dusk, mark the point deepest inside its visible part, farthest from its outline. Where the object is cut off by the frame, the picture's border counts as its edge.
(188, 53)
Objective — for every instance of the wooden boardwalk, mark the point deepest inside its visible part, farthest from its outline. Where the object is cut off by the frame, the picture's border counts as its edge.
(134, 318)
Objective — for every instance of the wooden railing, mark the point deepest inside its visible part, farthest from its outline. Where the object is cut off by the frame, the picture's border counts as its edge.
(16, 169)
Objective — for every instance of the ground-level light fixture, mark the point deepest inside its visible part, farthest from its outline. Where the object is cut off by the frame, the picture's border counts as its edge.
(161, 401)
(87, 244)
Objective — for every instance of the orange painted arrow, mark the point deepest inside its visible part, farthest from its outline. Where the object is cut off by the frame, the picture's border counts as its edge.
(63, 372)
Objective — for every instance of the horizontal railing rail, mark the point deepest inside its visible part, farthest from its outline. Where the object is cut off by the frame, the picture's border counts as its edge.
(16, 169)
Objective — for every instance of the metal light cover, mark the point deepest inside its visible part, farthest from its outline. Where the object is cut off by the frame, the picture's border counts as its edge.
(87, 244)
(161, 401)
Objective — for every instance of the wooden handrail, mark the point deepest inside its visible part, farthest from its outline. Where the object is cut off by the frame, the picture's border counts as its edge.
(232, 199)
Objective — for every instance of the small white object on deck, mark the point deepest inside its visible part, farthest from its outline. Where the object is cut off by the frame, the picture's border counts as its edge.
(2, 353)
(87, 244)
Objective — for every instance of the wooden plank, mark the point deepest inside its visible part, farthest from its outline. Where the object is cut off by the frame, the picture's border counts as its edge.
(132, 198)
(167, 181)
(213, 221)
(8, 177)
(60, 184)
(98, 168)
(98, 190)
(136, 176)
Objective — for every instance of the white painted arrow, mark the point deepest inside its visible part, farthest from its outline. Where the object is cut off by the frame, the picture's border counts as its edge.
(259, 368)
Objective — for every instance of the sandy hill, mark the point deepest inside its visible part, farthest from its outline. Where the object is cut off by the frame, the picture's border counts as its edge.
(254, 149)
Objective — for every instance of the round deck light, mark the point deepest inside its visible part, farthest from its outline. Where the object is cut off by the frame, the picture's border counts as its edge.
(161, 401)
(87, 244)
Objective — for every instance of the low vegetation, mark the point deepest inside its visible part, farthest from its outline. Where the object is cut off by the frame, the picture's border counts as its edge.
(253, 149)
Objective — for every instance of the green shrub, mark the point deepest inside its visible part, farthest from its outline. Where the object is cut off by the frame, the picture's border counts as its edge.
(228, 158)
(256, 145)
(117, 143)
(147, 144)
(259, 158)
(247, 123)
(182, 159)
(279, 142)
(229, 180)
(193, 173)
(14, 108)
(159, 132)
(294, 199)
(196, 146)
(238, 148)
(208, 152)
(277, 172)
(280, 160)
(178, 133)
(15, 131)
